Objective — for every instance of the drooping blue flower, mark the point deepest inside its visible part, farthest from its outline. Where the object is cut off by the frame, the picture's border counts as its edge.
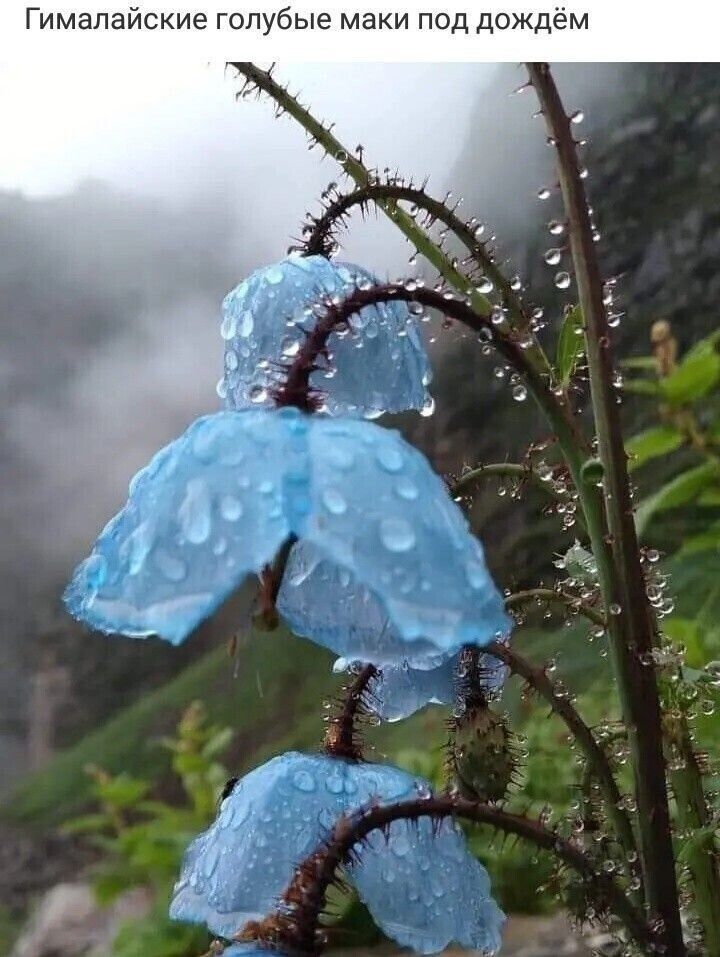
(421, 884)
(380, 365)
(400, 690)
(216, 505)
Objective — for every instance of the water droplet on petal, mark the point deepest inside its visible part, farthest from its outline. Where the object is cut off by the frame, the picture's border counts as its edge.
(397, 534)
(195, 514)
(334, 501)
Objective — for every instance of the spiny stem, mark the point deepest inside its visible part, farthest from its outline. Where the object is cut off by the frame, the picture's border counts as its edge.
(317, 239)
(560, 597)
(263, 81)
(341, 739)
(694, 817)
(525, 473)
(632, 631)
(539, 681)
(296, 388)
(295, 927)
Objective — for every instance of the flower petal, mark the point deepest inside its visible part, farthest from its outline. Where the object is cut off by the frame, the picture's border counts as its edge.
(420, 882)
(209, 509)
(385, 519)
(274, 818)
(401, 690)
(263, 322)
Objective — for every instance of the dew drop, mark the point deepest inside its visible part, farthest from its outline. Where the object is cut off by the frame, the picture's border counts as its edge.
(228, 327)
(194, 513)
(553, 256)
(334, 501)
(397, 535)
(562, 280)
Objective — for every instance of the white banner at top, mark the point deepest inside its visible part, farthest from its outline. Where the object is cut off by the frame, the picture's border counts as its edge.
(348, 31)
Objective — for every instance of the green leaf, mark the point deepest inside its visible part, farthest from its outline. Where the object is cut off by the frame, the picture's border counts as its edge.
(571, 345)
(709, 540)
(642, 386)
(688, 633)
(639, 362)
(695, 376)
(679, 491)
(650, 444)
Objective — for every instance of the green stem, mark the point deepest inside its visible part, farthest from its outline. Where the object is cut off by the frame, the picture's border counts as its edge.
(694, 816)
(515, 470)
(632, 633)
(567, 599)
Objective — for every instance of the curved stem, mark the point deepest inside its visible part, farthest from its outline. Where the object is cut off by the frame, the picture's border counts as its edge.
(538, 680)
(567, 599)
(317, 240)
(295, 926)
(341, 739)
(296, 388)
(632, 631)
(525, 473)
(262, 80)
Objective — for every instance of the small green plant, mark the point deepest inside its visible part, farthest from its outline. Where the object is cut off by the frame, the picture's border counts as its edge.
(142, 838)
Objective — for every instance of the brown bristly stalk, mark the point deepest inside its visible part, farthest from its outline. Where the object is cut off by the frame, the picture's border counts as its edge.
(295, 927)
(612, 528)
(318, 239)
(296, 390)
(341, 737)
(539, 681)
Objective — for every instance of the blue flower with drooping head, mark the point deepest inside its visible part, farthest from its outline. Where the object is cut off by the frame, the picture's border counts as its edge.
(421, 884)
(219, 502)
(400, 690)
(379, 363)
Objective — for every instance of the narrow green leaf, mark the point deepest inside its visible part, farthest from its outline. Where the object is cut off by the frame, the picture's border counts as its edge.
(647, 445)
(680, 490)
(642, 386)
(571, 345)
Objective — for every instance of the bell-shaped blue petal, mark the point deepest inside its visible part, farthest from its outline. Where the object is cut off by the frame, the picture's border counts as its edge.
(380, 365)
(400, 690)
(208, 510)
(218, 502)
(423, 887)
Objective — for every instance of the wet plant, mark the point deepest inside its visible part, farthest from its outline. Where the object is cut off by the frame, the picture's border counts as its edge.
(359, 546)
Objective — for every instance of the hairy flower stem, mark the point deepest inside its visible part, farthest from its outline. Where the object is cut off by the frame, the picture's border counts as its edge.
(341, 737)
(319, 236)
(632, 632)
(295, 927)
(296, 390)
(552, 596)
(263, 81)
(540, 682)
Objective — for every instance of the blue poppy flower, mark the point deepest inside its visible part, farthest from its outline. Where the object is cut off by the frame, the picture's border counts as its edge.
(400, 690)
(421, 884)
(379, 365)
(218, 503)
